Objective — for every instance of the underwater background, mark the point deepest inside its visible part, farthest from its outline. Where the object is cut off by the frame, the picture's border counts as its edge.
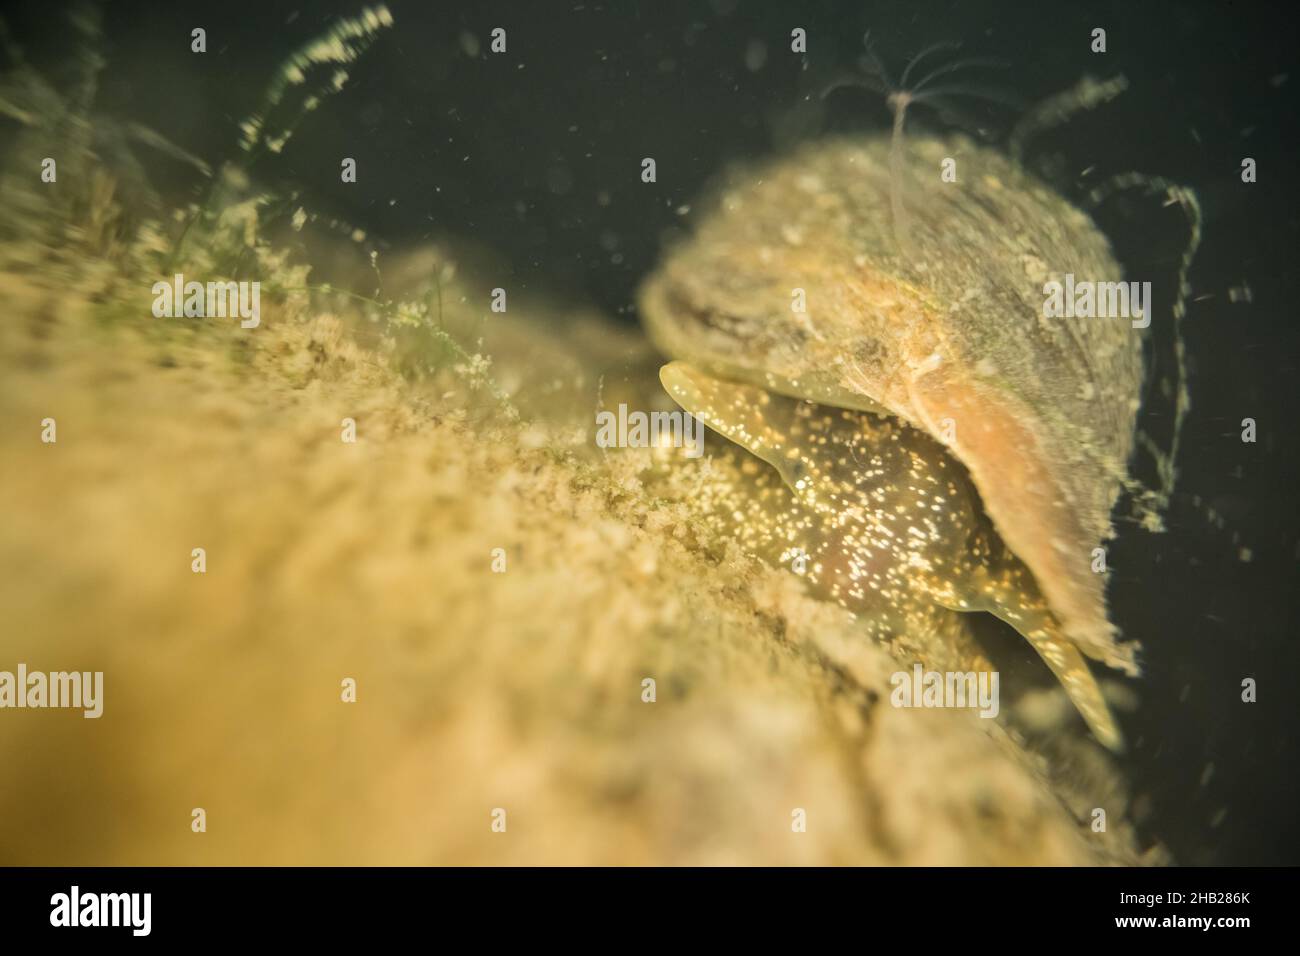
(534, 156)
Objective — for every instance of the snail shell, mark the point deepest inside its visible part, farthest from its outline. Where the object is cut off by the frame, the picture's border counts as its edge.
(945, 332)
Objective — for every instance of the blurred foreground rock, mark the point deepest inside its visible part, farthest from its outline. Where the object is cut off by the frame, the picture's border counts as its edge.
(476, 690)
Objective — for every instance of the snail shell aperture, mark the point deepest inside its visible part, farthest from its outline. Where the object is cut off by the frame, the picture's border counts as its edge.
(945, 333)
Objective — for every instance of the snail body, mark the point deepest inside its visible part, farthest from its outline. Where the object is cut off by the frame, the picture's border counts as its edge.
(926, 354)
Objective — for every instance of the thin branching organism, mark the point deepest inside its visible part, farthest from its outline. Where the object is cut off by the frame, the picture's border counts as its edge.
(899, 97)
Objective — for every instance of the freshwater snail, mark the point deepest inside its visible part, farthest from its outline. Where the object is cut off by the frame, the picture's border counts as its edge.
(958, 447)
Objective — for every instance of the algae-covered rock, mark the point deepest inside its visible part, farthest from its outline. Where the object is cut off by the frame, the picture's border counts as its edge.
(521, 689)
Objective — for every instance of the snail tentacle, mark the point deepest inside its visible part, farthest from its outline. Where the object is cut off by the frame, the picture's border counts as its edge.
(1011, 595)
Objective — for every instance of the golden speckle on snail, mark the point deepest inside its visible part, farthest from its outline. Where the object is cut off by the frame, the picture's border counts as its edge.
(901, 344)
